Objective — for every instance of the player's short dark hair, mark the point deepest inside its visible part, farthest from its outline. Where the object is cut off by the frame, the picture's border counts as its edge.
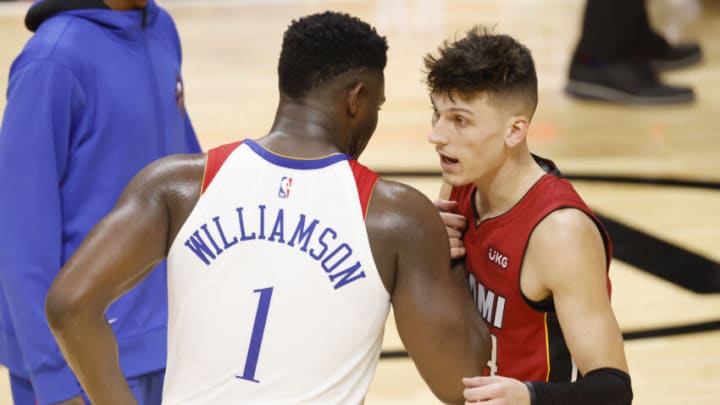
(484, 62)
(319, 47)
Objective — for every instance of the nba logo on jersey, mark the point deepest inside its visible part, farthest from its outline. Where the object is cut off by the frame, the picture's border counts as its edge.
(285, 184)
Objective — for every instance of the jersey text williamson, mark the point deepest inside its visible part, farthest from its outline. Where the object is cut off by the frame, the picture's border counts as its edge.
(318, 241)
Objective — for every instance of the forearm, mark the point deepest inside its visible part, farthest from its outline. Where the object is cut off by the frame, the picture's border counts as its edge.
(605, 386)
(90, 348)
(461, 339)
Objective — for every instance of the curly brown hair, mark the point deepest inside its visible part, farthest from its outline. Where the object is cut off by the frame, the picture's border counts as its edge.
(483, 62)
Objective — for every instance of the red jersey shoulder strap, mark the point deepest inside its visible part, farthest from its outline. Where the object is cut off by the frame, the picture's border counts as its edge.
(463, 196)
(365, 180)
(215, 159)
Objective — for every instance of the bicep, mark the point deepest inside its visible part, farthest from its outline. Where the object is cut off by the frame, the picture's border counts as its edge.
(427, 291)
(576, 276)
(434, 311)
(125, 245)
(119, 251)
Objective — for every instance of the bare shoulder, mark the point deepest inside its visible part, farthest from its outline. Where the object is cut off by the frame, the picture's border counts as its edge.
(395, 204)
(171, 178)
(566, 247)
(405, 232)
(168, 173)
(566, 227)
(172, 183)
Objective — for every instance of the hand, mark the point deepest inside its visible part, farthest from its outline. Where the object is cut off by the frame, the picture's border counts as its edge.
(78, 400)
(455, 225)
(495, 390)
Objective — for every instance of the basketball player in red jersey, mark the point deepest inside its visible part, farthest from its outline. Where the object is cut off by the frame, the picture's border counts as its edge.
(536, 256)
(284, 253)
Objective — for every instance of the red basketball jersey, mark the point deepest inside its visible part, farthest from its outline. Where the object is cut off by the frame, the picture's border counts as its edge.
(527, 341)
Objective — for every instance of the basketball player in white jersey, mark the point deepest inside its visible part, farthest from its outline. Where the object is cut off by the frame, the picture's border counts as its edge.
(284, 253)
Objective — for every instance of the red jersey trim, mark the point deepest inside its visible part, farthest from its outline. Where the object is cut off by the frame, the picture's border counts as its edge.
(215, 159)
(365, 180)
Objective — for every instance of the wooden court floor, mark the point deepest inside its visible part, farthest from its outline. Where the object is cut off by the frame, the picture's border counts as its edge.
(652, 173)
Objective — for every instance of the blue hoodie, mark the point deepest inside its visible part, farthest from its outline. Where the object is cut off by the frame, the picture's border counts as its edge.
(94, 97)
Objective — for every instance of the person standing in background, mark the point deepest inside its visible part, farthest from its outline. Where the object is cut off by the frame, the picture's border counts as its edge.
(95, 95)
(619, 56)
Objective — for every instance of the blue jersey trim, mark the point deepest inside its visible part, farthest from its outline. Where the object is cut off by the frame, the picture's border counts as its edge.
(301, 164)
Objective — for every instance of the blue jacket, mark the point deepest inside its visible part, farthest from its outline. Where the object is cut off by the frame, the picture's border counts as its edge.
(94, 97)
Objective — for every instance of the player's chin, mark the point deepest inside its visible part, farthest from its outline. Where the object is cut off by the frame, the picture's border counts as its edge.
(455, 179)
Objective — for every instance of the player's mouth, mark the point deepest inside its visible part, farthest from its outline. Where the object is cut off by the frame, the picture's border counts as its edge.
(447, 162)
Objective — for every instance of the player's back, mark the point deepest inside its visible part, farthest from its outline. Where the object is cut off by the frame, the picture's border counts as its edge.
(274, 296)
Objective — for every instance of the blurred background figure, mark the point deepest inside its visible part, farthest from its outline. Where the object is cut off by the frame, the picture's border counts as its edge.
(619, 55)
(95, 95)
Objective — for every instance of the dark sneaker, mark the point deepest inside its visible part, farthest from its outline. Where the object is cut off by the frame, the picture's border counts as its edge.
(624, 82)
(676, 57)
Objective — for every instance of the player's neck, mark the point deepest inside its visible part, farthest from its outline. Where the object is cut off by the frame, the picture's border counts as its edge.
(502, 190)
(299, 130)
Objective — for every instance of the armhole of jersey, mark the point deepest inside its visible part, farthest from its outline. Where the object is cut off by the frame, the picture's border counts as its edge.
(547, 304)
(215, 159)
(603, 234)
(607, 242)
(365, 180)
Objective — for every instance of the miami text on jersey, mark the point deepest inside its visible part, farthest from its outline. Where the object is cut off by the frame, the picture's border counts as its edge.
(319, 242)
(490, 305)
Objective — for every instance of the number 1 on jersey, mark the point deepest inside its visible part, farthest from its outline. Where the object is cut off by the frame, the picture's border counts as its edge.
(257, 335)
(492, 362)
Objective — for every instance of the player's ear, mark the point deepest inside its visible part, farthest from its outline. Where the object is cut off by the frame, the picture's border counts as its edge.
(516, 130)
(354, 97)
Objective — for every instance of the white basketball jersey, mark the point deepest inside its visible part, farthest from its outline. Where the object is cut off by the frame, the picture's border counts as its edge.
(274, 297)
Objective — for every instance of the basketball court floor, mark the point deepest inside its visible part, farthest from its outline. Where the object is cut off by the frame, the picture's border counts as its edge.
(652, 173)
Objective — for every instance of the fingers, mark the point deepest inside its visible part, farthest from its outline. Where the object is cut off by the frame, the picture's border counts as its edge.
(457, 250)
(447, 213)
(455, 225)
(495, 390)
(478, 381)
(455, 221)
(445, 205)
(479, 389)
(481, 393)
(453, 233)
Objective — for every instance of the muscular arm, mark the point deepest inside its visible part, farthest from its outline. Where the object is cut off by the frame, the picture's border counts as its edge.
(116, 255)
(566, 259)
(434, 311)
